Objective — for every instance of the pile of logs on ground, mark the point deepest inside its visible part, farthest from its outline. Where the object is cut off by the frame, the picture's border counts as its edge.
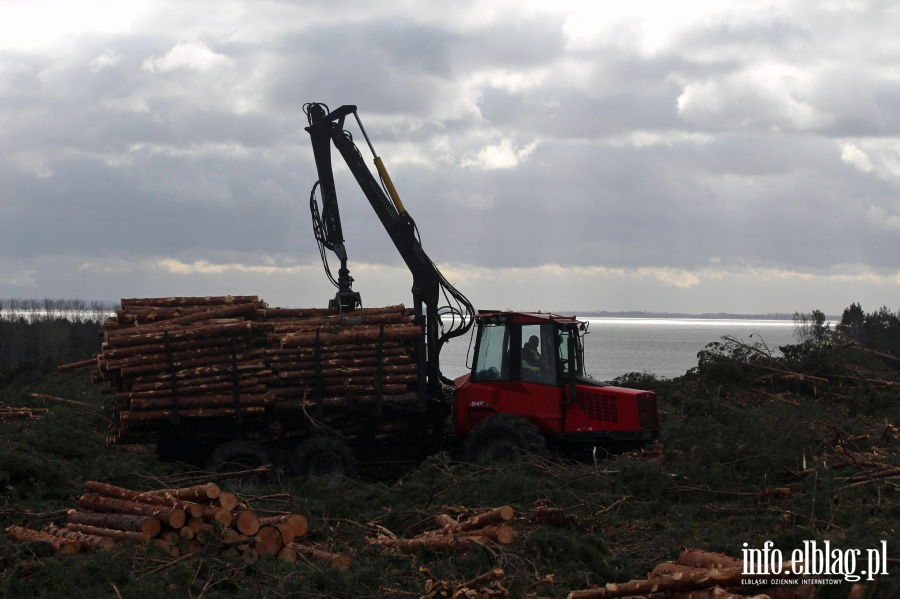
(205, 361)
(20, 413)
(700, 575)
(181, 521)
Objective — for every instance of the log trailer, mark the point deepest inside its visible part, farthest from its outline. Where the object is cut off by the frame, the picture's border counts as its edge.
(527, 390)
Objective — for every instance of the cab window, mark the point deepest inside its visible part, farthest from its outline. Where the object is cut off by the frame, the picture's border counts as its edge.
(569, 337)
(538, 355)
(492, 358)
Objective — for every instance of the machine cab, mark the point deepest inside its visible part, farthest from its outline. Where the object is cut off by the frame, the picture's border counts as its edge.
(532, 365)
(530, 348)
(521, 365)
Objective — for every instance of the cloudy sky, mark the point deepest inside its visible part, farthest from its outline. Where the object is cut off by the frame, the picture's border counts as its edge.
(696, 156)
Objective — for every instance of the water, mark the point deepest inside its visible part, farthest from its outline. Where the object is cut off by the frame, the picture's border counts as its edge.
(666, 347)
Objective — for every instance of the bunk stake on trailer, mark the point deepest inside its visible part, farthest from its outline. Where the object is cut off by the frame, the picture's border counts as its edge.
(176, 417)
(236, 389)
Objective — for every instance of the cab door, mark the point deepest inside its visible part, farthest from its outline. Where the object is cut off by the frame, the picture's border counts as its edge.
(500, 384)
(538, 395)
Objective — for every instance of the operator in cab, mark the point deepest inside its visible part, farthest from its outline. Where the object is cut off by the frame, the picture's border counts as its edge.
(531, 357)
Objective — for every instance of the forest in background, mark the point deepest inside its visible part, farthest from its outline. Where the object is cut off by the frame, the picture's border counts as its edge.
(38, 335)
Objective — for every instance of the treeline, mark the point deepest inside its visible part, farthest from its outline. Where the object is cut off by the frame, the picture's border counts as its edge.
(38, 335)
(878, 330)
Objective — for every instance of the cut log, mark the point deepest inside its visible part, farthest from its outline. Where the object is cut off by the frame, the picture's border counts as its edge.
(246, 522)
(287, 533)
(200, 493)
(155, 415)
(182, 334)
(27, 535)
(500, 533)
(269, 540)
(446, 522)
(298, 523)
(677, 582)
(175, 302)
(88, 540)
(107, 490)
(494, 516)
(212, 345)
(197, 402)
(245, 309)
(220, 346)
(77, 365)
(354, 336)
(146, 525)
(61, 400)
(338, 561)
(173, 517)
(275, 313)
(229, 501)
(118, 535)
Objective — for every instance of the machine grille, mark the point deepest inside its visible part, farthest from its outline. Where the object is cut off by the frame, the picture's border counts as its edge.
(597, 406)
(648, 416)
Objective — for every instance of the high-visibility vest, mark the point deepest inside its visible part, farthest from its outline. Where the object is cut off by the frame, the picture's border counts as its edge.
(534, 355)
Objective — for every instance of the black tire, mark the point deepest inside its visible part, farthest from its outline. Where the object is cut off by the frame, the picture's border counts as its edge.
(237, 456)
(503, 437)
(324, 457)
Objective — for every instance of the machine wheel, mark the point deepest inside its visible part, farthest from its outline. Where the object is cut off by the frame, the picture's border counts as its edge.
(236, 456)
(503, 437)
(324, 457)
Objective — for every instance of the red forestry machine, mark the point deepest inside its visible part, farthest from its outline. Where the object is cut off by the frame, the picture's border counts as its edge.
(527, 390)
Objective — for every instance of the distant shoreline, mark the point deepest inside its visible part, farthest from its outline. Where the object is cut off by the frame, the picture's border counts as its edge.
(704, 316)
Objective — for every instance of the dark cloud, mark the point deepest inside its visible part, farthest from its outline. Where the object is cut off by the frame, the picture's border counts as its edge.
(753, 140)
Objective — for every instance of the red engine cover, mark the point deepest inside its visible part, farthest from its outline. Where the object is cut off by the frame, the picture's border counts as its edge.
(595, 409)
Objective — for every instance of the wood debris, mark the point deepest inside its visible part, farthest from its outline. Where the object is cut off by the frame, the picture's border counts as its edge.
(478, 528)
(484, 586)
(698, 574)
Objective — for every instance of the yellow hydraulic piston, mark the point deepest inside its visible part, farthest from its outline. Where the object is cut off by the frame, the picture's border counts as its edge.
(392, 191)
(385, 177)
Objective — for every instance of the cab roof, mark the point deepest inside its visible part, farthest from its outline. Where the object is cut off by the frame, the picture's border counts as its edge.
(526, 317)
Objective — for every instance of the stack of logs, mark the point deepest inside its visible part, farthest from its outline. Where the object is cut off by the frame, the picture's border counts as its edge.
(20, 413)
(202, 361)
(181, 520)
(700, 574)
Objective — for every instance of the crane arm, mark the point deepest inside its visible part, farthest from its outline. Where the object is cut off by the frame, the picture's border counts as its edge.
(429, 285)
